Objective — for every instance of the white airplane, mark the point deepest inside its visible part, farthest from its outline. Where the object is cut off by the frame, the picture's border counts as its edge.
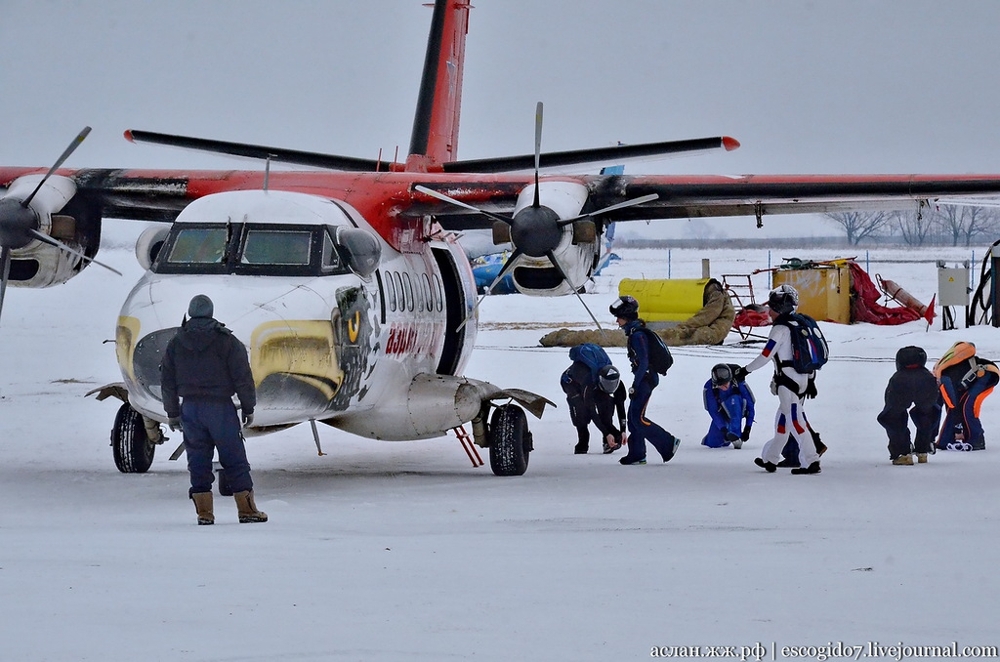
(346, 284)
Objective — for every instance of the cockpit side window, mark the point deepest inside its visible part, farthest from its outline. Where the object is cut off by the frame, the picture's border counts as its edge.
(331, 258)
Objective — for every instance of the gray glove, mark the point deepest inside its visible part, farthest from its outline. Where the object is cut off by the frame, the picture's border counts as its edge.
(247, 419)
(174, 423)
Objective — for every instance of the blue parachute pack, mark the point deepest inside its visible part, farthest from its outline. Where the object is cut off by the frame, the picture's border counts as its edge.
(809, 349)
(591, 355)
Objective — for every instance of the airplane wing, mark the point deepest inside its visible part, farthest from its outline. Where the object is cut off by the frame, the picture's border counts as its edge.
(680, 197)
(159, 195)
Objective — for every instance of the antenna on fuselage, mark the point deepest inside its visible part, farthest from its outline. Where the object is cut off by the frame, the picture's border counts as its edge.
(267, 171)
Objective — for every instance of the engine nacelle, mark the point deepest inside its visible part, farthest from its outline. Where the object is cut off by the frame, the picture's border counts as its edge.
(149, 243)
(434, 404)
(62, 214)
(578, 248)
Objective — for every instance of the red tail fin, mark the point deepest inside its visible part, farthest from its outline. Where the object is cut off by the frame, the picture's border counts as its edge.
(435, 125)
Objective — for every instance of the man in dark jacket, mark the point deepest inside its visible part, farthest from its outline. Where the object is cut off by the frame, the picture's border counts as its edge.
(205, 364)
(911, 384)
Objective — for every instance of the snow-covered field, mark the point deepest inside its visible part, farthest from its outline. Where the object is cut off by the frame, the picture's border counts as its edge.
(389, 551)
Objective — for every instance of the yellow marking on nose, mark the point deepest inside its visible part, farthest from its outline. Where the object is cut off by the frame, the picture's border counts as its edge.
(354, 327)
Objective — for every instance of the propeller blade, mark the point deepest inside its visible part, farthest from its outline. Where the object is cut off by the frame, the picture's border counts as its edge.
(459, 203)
(538, 149)
(46, 239)
(621, 205)
(555, 263)
(55, 166)
(500, 274)
(4, 273)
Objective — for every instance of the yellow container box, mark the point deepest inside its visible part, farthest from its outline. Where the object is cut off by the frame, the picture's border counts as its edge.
(824, 290)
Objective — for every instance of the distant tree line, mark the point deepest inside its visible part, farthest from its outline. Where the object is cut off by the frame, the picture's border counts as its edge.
(928, 225)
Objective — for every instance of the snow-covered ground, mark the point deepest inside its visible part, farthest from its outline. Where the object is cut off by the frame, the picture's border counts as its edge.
(390, 551)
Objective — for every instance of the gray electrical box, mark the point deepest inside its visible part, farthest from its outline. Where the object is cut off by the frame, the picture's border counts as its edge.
(953, 286)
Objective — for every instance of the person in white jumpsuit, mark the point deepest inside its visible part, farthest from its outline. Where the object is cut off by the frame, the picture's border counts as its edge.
(790, 387)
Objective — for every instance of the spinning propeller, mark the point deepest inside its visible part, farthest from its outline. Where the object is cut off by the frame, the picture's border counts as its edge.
(20, 219)
(535, 230)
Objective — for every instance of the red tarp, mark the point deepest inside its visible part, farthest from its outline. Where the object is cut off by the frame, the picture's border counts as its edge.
(864, 302)
(864, 305)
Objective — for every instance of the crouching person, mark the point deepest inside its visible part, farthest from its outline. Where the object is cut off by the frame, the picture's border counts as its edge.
(202, 367)
(730, 403)
(912, 393)
(594, 392)
(965, 380)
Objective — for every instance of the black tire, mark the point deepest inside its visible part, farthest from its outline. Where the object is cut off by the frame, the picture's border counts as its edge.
(510, 441)
(132, 448)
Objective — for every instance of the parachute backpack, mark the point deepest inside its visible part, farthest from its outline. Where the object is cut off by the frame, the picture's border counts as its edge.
(660, 358)
(591, 355)
(810, 351)
(957, 353)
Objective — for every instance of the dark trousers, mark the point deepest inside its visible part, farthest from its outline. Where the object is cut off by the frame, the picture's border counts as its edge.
(211, 425)
(600, 411)
(641, 429)
(894, 421)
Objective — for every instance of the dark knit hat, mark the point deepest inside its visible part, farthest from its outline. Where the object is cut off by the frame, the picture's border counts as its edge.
(201, 306)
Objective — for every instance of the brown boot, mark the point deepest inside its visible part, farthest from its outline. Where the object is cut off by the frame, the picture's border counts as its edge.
(203, 504)
(247, 508)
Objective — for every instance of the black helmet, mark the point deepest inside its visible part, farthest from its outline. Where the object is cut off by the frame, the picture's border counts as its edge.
(625, 307)
(721, 374)
(783, 299)
(609, 378)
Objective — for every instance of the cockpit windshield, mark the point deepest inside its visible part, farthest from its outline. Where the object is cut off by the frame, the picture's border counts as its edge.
(199, 246)
(276, 247)
(266, 249)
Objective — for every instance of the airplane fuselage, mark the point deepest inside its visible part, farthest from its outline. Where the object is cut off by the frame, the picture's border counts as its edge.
(338, 324)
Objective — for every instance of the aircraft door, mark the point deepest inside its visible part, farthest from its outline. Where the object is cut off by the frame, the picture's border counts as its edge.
(459, 292)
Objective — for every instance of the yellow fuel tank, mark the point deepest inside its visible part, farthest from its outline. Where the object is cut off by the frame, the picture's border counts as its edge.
(665, 299)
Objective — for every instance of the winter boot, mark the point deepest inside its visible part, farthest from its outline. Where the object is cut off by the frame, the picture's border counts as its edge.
(769, 467)
(203, 505)
(247, 508)
(904, 460)
(921, 458)
(820, 446)
(811, 469)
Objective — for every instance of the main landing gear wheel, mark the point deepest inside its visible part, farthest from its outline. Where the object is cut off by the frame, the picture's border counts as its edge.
(510, 441)
(132, 448)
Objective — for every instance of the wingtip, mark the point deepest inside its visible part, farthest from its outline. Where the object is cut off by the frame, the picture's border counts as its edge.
(128, 135)
(730, 143)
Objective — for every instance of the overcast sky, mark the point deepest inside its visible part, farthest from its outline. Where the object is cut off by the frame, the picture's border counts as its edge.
(806, 87)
